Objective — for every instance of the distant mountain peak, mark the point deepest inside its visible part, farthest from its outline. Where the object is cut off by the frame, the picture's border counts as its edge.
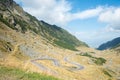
(109, 44)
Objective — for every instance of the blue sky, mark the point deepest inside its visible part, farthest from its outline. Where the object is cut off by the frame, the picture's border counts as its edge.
(92, 21)
(87, 4)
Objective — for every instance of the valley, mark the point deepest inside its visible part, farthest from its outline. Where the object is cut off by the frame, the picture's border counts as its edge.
(35, 50)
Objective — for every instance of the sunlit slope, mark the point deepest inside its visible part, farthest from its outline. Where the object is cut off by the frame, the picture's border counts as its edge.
(32, 53)
(29, 45)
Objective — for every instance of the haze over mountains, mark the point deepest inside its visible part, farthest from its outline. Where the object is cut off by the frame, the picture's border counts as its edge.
(35, 50)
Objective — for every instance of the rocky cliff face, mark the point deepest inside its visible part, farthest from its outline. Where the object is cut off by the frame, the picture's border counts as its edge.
(16, 18)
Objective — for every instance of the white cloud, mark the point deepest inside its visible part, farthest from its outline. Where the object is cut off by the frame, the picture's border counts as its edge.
(52, 11)
(111, 16)
(88, 13)
(59, 12)
(56, 11)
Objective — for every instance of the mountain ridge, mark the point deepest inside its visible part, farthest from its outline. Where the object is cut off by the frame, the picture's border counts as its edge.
(110, 44)
(22, 21)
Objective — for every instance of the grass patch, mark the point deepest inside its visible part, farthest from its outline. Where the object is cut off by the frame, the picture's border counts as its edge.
(98, 61)
(17, 74)
(106, 73)
(86, 54)
(65, 45)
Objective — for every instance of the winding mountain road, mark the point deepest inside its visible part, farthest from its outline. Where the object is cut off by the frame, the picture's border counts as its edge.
(45, 68)
(40, 66)
(56, 63)
(77, 65)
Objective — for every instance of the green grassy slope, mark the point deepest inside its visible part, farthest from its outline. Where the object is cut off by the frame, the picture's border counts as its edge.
(17, 74)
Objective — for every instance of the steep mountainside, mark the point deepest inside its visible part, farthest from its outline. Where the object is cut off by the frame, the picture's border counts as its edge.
(31, 50)
(14, 17)
(110, 44)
